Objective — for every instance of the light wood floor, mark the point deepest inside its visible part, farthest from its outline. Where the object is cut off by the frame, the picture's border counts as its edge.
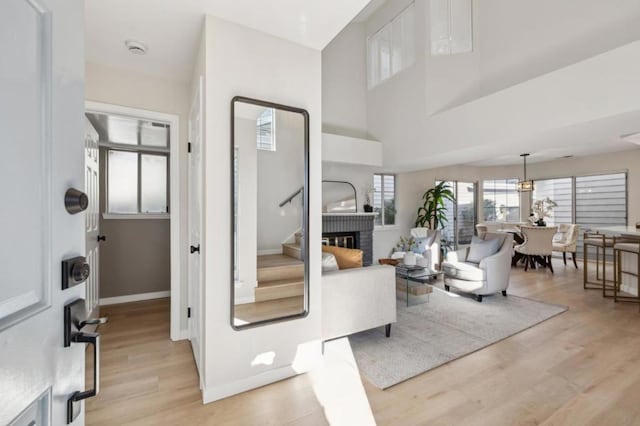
(579, 368)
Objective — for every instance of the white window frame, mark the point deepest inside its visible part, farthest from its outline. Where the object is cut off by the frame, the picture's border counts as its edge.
(382, 225)
(139, 150)
(260, 121)
(400, 45)
(451, 27)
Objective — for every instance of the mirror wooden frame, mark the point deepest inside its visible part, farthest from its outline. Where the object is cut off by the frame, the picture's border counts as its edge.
(305, 214)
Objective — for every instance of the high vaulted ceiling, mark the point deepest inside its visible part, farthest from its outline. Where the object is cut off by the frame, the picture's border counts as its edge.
(171, 28)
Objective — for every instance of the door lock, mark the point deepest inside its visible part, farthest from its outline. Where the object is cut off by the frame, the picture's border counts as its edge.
(75, 201)
(102, 238)
(74, 271)
(194, 249)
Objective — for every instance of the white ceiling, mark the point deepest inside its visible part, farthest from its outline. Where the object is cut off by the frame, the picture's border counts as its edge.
(171, 28)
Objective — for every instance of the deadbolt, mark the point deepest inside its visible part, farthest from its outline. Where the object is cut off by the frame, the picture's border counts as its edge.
(75, 201)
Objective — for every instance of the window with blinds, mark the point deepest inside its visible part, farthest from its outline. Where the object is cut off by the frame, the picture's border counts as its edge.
(501, 200)
(601, 200)
(266, 130)
(384, 199)
(559, 190)
(598, 200)
(391, 49)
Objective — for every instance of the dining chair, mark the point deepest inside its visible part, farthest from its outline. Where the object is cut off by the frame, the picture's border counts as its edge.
(566, 240)
(537, 246)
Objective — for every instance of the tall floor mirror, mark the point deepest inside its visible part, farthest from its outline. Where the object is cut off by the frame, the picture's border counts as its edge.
(270, 213)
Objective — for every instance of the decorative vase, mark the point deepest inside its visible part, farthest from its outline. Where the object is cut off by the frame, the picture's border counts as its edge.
(368, 208)
(410, 259)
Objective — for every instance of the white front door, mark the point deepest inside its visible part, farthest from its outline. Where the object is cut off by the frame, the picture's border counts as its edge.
(41, 129)
(195, 218)
(92, 215)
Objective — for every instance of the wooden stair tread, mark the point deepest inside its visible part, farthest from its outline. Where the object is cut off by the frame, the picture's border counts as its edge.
(282, 282)
(277, 261)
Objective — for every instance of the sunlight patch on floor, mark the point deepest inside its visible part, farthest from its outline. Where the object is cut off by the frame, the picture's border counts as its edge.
(338, 386)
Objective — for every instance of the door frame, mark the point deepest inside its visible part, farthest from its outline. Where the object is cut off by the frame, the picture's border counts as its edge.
(178, 246)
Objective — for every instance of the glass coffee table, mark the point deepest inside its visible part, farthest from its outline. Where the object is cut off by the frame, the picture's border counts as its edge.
(415, 282)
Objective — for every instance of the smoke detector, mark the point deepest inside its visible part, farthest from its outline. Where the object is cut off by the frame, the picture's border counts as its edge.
(136, 47)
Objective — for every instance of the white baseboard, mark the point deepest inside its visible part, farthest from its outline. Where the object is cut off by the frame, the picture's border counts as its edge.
(214, 393)
(134, 298)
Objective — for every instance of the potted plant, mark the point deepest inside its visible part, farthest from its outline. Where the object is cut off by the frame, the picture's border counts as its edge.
(541, 209)
(433, 213)
(368, 208)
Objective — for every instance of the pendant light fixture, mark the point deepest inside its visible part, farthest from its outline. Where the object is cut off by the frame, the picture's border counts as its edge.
(525, 185)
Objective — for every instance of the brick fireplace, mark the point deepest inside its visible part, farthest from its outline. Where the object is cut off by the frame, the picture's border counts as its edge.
(351, 230)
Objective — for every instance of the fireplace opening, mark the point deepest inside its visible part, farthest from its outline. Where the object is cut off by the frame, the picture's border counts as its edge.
(341, 239)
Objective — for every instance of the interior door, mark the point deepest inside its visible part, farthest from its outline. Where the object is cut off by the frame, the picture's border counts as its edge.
(92, 218)
(195, 224)
(41, 113)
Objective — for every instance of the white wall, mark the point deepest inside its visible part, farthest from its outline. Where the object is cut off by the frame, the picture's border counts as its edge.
(131, 89)
(247, 226)
(344, 84)
(288, 74)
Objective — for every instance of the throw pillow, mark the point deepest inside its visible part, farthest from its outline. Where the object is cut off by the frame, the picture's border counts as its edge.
(329, 262)
(347, 258)
(482, 248)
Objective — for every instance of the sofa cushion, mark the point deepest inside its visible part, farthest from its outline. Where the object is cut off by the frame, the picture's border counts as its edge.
(483, 248)
(346, 258)
(329, 262)
(463, 271)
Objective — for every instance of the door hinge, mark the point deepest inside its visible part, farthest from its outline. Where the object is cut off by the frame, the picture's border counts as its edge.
(188, 146)
(188, 312)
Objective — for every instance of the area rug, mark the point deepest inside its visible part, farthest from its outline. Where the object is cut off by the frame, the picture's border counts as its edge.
(448, 327)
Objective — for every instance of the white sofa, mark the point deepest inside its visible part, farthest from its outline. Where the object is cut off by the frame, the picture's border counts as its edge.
(490, 276)
(358, 299)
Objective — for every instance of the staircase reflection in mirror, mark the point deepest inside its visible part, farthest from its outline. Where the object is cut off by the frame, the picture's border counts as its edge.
(270, 268)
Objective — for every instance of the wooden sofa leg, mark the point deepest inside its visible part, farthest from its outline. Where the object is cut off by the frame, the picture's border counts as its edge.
(479, 298)
(446, 287)
(564, 257)
(575, 262)
(504, 293)
(387, 330)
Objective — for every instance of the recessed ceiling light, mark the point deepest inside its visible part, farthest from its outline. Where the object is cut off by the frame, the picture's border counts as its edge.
(136, 47)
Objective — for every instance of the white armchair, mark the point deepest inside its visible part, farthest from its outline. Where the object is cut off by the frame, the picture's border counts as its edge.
(566, 240)
(433, 250)
(489, 276)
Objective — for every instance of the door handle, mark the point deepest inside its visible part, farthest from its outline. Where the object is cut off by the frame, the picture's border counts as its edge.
(75, 317)
(73, 406)
(194, 249)
(102, 238)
